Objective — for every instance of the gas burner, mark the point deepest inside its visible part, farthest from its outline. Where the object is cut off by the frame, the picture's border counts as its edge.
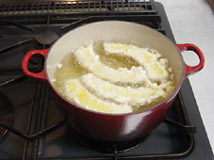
(6, 113)
(111, 147)
(47, 38)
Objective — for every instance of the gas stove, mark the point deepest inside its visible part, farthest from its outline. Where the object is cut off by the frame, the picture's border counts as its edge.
(31, 126)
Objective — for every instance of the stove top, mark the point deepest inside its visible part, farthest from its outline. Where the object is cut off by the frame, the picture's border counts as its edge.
(31, 126)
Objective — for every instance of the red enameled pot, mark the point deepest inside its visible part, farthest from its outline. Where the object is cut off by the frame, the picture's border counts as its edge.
(114, 127)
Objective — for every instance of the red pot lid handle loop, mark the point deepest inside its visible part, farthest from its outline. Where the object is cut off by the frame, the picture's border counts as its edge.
(192, 69)
(40, 75)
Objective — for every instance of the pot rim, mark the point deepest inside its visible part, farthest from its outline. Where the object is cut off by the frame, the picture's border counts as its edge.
(117, 114)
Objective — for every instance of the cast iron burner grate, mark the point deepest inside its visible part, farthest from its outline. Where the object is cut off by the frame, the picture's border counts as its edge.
(112, 149)
(6, 113)
(38, 131)
(148, 17)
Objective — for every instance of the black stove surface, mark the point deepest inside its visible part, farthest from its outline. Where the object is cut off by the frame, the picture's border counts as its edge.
(38, 130)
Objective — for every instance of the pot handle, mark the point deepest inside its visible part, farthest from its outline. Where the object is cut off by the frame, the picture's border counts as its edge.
(40, 75)
(192, 69)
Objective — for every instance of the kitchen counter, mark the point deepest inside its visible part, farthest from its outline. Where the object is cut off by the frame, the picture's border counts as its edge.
(193, 22)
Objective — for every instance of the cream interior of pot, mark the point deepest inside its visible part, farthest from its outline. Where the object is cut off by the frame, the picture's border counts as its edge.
(117, 31)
